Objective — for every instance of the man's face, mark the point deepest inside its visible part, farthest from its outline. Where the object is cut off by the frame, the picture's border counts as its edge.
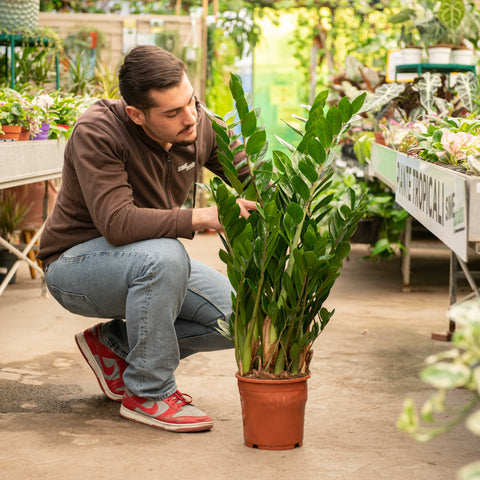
(174, 118)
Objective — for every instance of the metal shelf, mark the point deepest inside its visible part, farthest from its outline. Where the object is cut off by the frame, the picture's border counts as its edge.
(12, 41)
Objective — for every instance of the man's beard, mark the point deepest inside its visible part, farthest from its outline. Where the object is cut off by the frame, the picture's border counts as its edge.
(186, 143)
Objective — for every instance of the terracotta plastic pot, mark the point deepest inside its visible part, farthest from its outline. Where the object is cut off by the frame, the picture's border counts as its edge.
(24, 135)
(11, 132)
(273, 412)
(33, 194)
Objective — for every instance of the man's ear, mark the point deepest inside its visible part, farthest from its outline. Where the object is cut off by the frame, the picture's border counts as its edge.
(136, 115)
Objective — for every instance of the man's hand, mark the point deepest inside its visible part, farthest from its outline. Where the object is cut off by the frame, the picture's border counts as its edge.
(203, 218)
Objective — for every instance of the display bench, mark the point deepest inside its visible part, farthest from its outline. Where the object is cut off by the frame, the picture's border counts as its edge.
(22, 163)
(444, 201)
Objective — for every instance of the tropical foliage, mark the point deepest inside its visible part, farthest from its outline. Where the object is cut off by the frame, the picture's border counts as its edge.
(284, 259)
(457, 368)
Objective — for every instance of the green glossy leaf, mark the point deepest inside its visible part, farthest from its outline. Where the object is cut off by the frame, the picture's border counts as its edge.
(335, 119)
(295, 211)
(345, 109)
(256, 142)
(221, 132)
(279, 160)
(316, 150)
(343, 250)
(309, 172)
(358, 102)
(324, 132)
(301, 187)
(242, 107)
(249, 124)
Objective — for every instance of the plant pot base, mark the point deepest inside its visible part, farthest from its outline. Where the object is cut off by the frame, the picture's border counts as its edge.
(273, 412)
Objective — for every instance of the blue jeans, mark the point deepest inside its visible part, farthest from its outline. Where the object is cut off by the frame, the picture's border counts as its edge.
(164, 305)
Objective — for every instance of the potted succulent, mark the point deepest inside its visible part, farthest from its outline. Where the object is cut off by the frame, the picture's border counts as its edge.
(282, 260)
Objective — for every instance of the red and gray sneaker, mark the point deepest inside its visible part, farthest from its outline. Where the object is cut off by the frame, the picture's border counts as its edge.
(175, 413)
(107, 366)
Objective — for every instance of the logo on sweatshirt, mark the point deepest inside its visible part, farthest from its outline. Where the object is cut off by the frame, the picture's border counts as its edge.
(186, 167)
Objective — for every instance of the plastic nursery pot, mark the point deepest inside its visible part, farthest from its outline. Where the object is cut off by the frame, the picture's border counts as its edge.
(439, 54)
(7, 261)
(273, 412)
(24, 135)
(411, 55)
(10, 132)
(462, 56)
(43, 133)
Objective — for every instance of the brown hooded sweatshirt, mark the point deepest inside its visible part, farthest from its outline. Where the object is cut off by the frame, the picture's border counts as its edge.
(119, 183)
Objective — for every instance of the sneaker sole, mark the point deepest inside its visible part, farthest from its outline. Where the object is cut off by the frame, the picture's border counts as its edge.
(90, 359)
(172, 427)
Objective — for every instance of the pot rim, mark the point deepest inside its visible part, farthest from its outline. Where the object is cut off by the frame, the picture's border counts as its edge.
(272, 381)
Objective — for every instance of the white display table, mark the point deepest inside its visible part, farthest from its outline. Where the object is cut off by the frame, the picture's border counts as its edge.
(22, 163)
(444, 201)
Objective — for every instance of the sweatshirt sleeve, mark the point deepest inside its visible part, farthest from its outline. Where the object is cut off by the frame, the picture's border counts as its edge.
(105, 191)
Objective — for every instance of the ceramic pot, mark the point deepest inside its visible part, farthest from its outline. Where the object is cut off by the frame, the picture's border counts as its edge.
(273, 412)
(43, 133)
(33, 194)
(411, 55)
(7, 261)
(439, 54)
(10, 132)
(462, 56)
(367, 231)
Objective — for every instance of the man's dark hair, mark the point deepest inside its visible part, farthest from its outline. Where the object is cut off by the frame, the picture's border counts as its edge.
(146, 68)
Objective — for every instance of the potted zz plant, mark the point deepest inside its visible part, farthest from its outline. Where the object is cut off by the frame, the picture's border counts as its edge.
(282, 260)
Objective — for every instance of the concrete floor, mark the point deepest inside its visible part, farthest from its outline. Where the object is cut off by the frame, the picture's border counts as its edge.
(56, 424)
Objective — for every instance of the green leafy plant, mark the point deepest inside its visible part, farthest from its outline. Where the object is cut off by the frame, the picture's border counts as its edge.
(282, 260)
(450, 141)
(12, 214)
(12, 111)
(444, 21)
(446, 372)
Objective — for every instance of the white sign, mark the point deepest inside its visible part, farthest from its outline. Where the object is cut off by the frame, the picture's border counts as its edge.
(436, 197)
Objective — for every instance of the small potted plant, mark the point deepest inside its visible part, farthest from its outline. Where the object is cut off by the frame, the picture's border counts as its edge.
(12, 114)
(12, 213)
(42, 105)
(282, 260)
(67, 108)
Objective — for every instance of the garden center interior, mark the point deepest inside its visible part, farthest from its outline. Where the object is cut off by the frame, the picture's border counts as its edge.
(394, 379)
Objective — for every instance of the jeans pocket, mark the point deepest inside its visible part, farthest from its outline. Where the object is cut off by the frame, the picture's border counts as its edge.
(77, 303)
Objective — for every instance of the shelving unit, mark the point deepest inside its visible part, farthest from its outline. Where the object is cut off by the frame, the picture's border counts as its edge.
(420, 68)
(12, 41)
(444, 201)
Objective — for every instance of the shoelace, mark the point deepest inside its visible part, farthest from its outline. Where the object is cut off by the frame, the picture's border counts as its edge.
(178, 399)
